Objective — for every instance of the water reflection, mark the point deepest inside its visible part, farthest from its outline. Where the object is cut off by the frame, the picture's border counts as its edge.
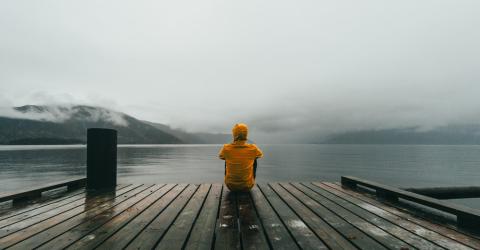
(97, 201)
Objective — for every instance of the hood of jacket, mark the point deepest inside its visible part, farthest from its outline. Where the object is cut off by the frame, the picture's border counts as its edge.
(240, 132)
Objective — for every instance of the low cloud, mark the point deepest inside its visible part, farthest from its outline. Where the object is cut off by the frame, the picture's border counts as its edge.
(60, 114)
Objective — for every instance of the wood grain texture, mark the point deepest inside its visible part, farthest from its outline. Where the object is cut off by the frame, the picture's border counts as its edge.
(289, 215)
(203, 231)
(406, 216)
(94, 201)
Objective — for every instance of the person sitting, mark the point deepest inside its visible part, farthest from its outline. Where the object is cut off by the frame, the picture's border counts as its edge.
(240, 160)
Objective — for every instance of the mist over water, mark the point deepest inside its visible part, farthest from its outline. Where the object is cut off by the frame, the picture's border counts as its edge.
(396, 165)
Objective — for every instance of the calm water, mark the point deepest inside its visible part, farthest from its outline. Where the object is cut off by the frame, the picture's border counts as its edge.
(404, 166)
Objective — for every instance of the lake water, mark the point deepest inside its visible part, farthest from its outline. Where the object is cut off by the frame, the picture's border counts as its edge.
(397, 165)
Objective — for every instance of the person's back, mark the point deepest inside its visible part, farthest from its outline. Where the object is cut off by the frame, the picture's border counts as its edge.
(239, 158)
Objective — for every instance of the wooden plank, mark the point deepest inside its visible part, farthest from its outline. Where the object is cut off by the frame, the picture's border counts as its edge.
(43, 237)
(277, 234)
(441, 229)
(354, 235)
(38, 228)
(402, 219)
(19, 225)
(121, 238)
(323, 230)
(177, 234)
(43, 209)
(76, 200)
(37, 191)
(22, 224)
(153, 233)
(251, 230)
(99, 217)
(301, 233)
(283, 213)
(399, 232)
(381, 236)
(203, 231)
(422, 214)
(466, 216)
(227, 235)
(425, 233)
(18, 208)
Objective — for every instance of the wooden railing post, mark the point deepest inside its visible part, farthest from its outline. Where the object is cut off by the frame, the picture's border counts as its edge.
(101, 158)
(468, 221)
(346, 182)
(385, 195)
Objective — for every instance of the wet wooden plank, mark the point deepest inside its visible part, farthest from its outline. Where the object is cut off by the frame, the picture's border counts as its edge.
(4, 231)
(177, 234)
(90, 233)
(21, 224)
(37, 191)
(19, 208)
(381, 236)
(277, 233)
(43, 209)
(410, 226)
(393, 229)
(301, 233)
(354, 235)
(277, 215)
(251, 230)
(35, 209)
(202, 233)
(227, 235)
(441, 229)
(153, 233)
(466, 216)
(323, 230)
(123, 236)
(44, 232)
(97, 200)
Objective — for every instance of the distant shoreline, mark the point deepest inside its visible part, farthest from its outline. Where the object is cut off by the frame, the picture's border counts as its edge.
(206, 144)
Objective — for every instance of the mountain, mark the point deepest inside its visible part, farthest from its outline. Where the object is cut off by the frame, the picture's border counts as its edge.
(446, 135)
(33, 124)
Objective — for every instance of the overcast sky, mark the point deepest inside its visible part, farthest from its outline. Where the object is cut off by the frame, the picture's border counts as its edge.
(289, 69)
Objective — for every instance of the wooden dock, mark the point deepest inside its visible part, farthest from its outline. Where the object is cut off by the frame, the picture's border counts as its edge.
(314, 215)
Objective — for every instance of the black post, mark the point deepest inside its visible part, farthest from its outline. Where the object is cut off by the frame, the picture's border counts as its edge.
(346, 182)
(101, 158)
(386, 195)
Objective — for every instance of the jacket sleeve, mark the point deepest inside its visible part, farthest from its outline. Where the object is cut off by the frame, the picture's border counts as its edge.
(221, 154)
(259, 153)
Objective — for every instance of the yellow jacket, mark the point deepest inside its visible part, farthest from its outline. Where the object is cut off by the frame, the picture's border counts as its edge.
(239, 157)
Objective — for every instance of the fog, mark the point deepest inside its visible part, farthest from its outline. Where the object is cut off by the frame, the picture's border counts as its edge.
(60, 113)
(291, 70)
